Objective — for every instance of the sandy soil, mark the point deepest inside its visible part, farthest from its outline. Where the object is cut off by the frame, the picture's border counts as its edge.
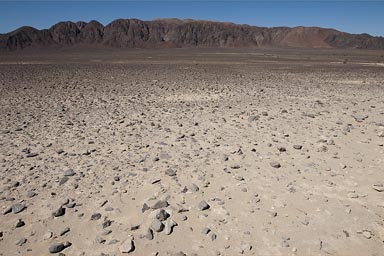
(200, 152)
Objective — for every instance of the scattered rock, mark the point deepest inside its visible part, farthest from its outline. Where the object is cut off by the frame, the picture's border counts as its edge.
(69, 172)
(245, 248)
(145, 207)
(71, 204)
(367, 234)
(157, 225)
(19, 223)
(203, 205)
(22, 241)
(65, 231)
(15, 184)
(155, 204)
(169, 225)
(56, 247)
(48, 235)
(100, 240)
(162, 215)
(96, 216)
(378, 187)
(127, 247)
(170, 172)
(360, 117)
(59, 212)
(205, 231)
(32, 154)
(194, 187)
(239, 178)
(106, 232)
(113, 241)
(31, 194)
(298, 147)
(7, 210)
(275, 164)
(106, 223)
(253, 118)
(310, 115)
(154, 181)
(285, 242)
(17, 208)
(134, 227)
(353, 195)
(149, 234)
(63, 180)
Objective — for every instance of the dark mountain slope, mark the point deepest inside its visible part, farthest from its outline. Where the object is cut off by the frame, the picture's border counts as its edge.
(134, 33)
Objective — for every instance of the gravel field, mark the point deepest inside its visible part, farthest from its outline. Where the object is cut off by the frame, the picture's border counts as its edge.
(192, 152)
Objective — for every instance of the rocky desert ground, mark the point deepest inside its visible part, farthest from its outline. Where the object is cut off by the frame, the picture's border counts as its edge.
(192, 152)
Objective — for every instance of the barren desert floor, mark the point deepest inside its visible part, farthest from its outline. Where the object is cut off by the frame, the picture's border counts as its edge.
(192, 152)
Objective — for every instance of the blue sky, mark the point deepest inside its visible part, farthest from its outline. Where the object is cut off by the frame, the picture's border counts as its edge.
(349, 16)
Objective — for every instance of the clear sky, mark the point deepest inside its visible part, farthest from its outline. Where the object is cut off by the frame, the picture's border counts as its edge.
(349, 16)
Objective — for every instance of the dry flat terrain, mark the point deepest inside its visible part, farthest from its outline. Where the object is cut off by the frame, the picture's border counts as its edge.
(192, 152)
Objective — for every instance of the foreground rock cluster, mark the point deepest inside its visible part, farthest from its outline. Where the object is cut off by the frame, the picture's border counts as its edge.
(191, 156)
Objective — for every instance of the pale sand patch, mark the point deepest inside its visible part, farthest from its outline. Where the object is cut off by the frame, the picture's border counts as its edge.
(191, 97)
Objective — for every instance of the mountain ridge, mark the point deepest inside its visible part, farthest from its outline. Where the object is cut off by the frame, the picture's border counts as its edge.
(177, 33)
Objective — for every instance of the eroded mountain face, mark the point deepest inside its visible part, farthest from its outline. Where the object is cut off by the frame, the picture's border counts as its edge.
(172, 33)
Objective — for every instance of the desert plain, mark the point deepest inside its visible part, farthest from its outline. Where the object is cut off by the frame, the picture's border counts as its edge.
(192, 152)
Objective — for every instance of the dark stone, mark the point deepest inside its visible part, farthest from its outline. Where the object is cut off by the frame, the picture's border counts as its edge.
(162, 215)
(160, 204)
(31, 194)
(96, 216)
(65, 231)
(157, 225)
(170, 172)
(253, 118)
(17, 208)
(106, 223)
(59, 212)
(145, 207)
(203, 206)
(57, 247)
(21, 241)
(205, 231)
(275, 164)
(63, 180)
(149, 234)
(15, 184)
(19, 223)
(69, 172)
(298, 147)
(32, 154)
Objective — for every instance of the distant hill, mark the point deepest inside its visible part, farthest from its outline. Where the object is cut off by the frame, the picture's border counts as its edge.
(172, 33)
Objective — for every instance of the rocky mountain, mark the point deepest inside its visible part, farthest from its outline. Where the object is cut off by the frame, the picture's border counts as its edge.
(172, 33)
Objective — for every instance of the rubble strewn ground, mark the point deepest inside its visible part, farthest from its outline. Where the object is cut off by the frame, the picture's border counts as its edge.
(192, 152)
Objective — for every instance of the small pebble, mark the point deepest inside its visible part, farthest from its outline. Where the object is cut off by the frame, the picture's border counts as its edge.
(203, 205)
